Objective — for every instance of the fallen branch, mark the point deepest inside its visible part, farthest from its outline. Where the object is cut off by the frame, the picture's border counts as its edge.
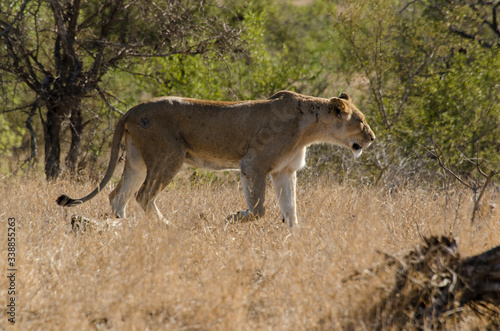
(433, 284)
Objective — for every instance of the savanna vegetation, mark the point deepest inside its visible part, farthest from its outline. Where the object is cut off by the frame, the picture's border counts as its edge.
(425, 73)
(202, 273)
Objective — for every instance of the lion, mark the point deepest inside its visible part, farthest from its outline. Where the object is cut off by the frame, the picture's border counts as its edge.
(258, 138)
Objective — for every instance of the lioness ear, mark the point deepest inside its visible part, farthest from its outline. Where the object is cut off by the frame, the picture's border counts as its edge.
(336, 106)
(344, 96)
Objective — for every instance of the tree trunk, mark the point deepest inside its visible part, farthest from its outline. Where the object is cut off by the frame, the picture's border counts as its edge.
(52, 133)
(76, 127)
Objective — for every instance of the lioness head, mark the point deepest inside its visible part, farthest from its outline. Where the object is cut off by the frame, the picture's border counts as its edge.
(355, 131)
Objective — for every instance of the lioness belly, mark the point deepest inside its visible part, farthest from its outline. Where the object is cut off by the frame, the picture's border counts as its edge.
(213, 163)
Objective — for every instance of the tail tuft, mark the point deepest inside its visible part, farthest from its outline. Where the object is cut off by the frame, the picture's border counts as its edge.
(66, 201)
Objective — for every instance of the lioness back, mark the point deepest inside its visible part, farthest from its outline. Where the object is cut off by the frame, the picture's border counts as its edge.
(218, 134)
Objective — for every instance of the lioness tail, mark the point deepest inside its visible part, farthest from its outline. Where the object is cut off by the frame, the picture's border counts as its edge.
(66, 201)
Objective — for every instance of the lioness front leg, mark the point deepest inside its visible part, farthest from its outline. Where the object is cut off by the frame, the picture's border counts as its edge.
(284, 185)
(254, 187)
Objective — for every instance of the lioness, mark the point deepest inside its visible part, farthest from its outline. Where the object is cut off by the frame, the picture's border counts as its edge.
(257, 137)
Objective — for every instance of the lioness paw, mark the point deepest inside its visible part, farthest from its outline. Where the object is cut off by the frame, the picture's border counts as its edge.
(241, 216)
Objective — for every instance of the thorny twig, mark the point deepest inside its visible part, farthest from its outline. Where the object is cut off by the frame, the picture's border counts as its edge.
(475, 185)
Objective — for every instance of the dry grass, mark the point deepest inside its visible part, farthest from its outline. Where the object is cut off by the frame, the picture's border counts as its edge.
(204, 274)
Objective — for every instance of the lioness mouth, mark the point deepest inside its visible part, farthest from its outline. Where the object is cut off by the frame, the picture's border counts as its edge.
(356, 147)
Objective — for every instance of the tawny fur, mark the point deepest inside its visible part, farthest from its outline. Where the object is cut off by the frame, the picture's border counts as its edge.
(260, 138)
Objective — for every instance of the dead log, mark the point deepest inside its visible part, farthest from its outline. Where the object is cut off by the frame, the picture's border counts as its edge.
(433, 284)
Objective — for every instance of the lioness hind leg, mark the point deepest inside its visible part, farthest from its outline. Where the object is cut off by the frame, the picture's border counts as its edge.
(133, 176)
(284, 185)
(158, 177)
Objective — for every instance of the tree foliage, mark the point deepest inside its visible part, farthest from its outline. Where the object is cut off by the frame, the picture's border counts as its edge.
(61, 51)
(430, 86)
(426, 73)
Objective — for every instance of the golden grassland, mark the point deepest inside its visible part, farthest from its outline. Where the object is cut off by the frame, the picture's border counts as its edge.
(204, 274)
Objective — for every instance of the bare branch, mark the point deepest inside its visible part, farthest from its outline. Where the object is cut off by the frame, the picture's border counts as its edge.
(33, 144)
(438, 155)
(18, 16)
(17, 108)
(483, 189)
(469, 36)
(103, 94)
(417, 72)
(494, 24)
(406, 6)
